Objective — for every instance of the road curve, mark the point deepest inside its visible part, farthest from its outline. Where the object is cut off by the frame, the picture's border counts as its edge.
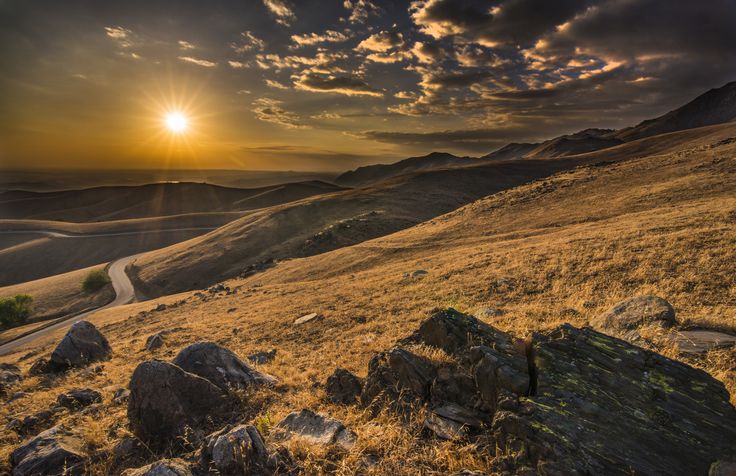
(124, 294)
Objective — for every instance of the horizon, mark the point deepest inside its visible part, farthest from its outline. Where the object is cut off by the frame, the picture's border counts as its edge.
(279, 85)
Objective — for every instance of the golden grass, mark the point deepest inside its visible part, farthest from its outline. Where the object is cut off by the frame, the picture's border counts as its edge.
(558, 250)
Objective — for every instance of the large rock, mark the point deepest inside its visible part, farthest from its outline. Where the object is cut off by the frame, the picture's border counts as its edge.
(634, 313)
(316, 429)
(570, 401)
(238, 451)
(166, 402)
(165, 467)
(80, 346)
(54, 452)
(343, 387)
(220, 366)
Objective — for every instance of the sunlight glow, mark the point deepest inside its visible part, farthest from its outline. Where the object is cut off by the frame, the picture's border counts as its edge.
(176, 122)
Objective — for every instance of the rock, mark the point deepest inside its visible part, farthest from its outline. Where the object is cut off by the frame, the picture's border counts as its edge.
(79, 398)
(491, 312)
(165, 467)
(82, 345)
(220, 366)
(311, 317)
(316, 429)
(700, 341)
(126, 449)
(636, 312)
(120, 395)
(568, 401)
(239, 451)
(54, 452)
(166, 402)
(40, 367)
(9, 375)
(17, 396)
(262, 357)
(343, 387)
(418, 274)
(154, 341)
(722, 468)
(32, 424)
(160, 307)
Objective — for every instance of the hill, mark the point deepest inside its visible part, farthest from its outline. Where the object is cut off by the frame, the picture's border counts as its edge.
(648, 217)
(376, 173)
(713, 107)
(152, 200)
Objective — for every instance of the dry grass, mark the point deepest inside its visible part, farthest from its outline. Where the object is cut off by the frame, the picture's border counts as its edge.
(559, 250)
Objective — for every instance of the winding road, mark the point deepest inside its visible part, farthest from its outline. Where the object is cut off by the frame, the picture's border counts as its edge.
(124, 294)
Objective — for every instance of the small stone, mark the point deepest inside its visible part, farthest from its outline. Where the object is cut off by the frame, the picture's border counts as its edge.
(161, 307)
(316, 429)
(418, 274)
(79, 398)
(154, 341)
(239, 451)
(262, 357)
(491, 312)
(311, 317)
(121, 395)
(165, 467)
(343, 387)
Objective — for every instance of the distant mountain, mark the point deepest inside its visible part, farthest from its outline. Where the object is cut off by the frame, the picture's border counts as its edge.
(586, 140)
(713, 107)
(514, 150)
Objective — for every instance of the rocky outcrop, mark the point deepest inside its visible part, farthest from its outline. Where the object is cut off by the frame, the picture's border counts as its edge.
(315, 429)
(79, 398)
(343, 387)
(636, 312)
(238, 451)
(166, 402)
(82, 345)
(220, 366)
(165, 467)
(54, 452)
(569, 401)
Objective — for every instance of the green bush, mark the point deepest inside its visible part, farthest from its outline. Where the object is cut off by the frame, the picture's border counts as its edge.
(95, 280)
(15, 310)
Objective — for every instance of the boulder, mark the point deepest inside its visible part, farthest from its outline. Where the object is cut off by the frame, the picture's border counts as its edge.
(154, 341)
(165, 467)
(343, 387)
(40, 366)
(700, 341)
(315, 429)
(220, 366)
(53, 452)
(166, 402)
(634, 313)
(79, 398)
(82, 345)
(568, 401)
(238, 451)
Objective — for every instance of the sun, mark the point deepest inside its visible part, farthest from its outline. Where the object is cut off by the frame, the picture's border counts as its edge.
(176, 122)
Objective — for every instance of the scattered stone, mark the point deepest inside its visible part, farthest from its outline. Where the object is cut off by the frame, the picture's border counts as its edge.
(262, 357)
(9, 375)
(82, 345)
(40, 367)
(700, 341)
(311, 317)
(254, 268)
(17, 396)
(238, 451)
(218, 288)
(316, 429)
(491, 312)
(160, 307)
(154, 341)
(32, 424)
(120, 395)
(165, 467)
(166, 402)
(636, 312)
(220, 366)
(418, 274)
(79, 398)
(126, 449)
(343, 387)
(54, 452)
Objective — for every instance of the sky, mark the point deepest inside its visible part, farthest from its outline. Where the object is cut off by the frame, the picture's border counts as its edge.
(330, 85)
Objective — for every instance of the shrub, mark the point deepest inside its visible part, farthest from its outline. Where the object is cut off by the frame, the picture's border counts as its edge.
(15, 310)
(95, 280)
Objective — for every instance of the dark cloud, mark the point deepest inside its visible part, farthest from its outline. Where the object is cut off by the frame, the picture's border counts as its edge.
(347, 85)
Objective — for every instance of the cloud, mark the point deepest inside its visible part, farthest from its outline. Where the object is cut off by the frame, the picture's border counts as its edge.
(270, 110)
(347, 85)
(275, 84)
(382, 41)
(198, 61)
(475, 56)
(122, 36)
(281, 10)
(360, 10)
(238, 64)
(185, 45)
(323, 61)
(247, 42)
(389, 57)
(329, 36)
(428, 52)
